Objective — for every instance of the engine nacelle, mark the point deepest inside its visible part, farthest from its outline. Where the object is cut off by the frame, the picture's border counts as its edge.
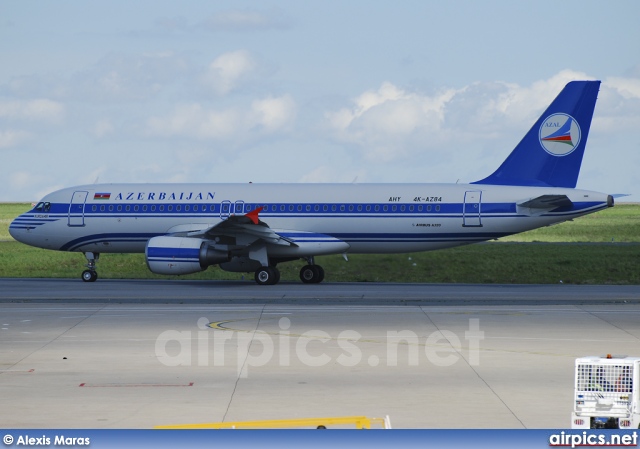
(181, 255)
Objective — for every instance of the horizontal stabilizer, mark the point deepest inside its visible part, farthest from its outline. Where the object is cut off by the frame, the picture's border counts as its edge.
(547, 202)
(620, 195)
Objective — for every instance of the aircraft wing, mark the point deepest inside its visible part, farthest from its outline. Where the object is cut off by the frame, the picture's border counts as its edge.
(242, 230)
(238, 232)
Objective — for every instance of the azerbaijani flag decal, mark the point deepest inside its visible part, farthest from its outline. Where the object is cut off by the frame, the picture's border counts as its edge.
(102, 196)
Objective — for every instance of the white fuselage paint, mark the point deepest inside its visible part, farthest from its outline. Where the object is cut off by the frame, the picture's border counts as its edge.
(370, 218)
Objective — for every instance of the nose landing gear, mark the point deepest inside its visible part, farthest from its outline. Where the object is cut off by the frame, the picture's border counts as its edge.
(91, 274)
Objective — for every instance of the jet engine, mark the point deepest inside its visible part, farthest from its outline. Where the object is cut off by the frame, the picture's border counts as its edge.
(181, 255)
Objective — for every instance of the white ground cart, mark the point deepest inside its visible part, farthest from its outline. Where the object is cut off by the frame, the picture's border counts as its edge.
(606, 393)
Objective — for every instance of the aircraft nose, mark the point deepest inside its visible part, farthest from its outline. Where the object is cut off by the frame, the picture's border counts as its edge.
(20, 229)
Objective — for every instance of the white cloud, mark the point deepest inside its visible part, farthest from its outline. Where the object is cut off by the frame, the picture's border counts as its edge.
(194, 121)
(618, 108)
(118, 77)
(325, 173)
(391, 122)
(103, 128)
(9, 139)
(40, 109)
(383, 121)
(628, 88)
(20, 179)
(228, 70)
(246, 20)
(274, 113)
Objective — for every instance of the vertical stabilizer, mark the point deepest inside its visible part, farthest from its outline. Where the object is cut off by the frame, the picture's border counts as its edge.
(550, 154)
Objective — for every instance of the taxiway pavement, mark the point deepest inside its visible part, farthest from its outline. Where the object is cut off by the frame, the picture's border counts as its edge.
(135, 354)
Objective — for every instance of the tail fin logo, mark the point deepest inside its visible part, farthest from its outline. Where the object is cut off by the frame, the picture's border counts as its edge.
(559, 134)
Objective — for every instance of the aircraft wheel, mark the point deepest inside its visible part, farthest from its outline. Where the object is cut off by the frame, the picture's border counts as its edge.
(267, 276)
(311, 274)
(320, 273)
(89, 276)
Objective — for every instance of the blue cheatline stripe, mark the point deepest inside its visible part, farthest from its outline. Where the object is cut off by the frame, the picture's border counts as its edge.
(108, 237)
(296, 210)
(346, 237)
(43, 220)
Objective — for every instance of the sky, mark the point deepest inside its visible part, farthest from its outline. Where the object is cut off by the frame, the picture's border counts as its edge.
(305, 91)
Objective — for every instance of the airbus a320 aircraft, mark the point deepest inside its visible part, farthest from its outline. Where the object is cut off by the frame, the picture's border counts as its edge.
(185, 228)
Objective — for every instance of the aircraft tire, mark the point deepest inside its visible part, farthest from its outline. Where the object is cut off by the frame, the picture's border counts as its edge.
(89, 276)
(267, 276)
(311, 274)
(320, 273)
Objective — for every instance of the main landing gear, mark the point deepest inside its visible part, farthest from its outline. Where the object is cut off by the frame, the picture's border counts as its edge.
(91, 274)
(267, 276)
(309, 274)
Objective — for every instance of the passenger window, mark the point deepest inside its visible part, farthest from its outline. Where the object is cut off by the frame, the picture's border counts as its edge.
(101, 208)
(144, 208)
(111, 208)
(333, 208)
(94, 208)
(178, 208)
(169, 208)
(359, 208)
(128, 208)
(186, 208)
(119, 208)
(195, 208)
(437, 208)
(308, 208)
(161, 208)
(282, 208)
(136, 207)
(377, 208)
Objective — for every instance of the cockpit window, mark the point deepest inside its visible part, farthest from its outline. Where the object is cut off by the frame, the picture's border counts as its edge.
(42, 207)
